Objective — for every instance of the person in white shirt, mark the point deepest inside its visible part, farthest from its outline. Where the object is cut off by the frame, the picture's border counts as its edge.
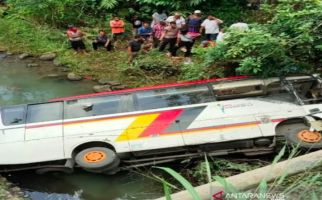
(211, 27)
(180, 21)
(158, 17)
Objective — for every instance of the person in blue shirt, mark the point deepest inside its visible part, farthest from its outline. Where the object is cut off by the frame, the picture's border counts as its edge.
(145, 31)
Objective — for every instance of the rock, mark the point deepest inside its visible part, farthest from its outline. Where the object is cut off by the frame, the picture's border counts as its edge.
(103, 81)
(24, 56)
(53, 75)
(30, 65)
(48, 56)
(2, 50)
(9, 54)
(3, 55)
(113, 83)
(118, 87)
(65, 69)
(57, 63)
(102, 88)
(15, 189)
(73, 77)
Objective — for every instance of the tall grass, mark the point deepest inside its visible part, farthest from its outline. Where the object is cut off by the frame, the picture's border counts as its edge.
(306, 185)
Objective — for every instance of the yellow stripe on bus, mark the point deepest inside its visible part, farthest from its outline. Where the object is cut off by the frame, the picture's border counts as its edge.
(137, 127)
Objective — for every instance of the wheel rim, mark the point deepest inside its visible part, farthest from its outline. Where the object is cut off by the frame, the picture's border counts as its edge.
(309, 136)
(94, 156)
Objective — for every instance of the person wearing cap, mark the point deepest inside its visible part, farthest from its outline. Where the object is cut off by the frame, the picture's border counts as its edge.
(75, 36)
(178, 19)
(194, 21)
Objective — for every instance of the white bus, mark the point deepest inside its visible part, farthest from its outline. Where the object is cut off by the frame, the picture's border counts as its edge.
(107, 131)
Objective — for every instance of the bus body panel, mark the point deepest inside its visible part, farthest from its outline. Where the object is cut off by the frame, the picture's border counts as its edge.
(150, 120)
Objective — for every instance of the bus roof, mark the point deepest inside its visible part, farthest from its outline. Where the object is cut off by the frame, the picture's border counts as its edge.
(185, 83)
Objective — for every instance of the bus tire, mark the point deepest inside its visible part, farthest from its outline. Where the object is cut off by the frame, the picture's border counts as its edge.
(96, 158)
(110, 170)
(300, 134)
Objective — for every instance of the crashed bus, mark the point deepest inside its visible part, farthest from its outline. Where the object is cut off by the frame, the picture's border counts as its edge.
(106, 132)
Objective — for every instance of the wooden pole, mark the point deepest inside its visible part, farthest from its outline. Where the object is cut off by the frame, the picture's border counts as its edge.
(251, 179)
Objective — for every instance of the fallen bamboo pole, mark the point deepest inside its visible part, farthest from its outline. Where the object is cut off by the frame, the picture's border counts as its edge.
(251, 179)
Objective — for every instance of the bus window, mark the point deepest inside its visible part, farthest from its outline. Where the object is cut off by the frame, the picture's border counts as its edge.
(13, 115)
(98, 106)
(44, 112)
(177, 96)
(238, 89)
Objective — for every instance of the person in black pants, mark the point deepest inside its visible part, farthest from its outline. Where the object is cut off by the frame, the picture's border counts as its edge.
(102, 40)
(184, 40)
(169, 36)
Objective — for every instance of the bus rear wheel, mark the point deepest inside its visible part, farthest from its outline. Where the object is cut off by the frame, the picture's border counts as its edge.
(300, 134)
(97, 159)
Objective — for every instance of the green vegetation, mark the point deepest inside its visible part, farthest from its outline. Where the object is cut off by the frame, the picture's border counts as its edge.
(284, 38)
(306, 185)
(7, 191)
(38, 27)
(290, 41)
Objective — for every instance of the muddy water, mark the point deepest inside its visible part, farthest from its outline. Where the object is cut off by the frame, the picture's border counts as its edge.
(18, 85)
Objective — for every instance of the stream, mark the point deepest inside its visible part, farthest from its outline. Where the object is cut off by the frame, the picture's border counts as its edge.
(19, 85)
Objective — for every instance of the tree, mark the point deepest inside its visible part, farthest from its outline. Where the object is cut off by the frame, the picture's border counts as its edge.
(290, 42)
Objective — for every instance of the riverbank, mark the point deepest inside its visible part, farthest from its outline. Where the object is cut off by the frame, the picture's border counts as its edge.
(21, 36)
(10, 192)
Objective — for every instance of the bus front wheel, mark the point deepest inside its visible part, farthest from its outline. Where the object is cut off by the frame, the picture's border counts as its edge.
(300, 134)
(97, 159)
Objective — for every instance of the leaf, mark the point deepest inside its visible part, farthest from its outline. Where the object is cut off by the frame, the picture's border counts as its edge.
(318, 47)
(279, 156)
(263, 189)
(167, 191)
(314, 196)
(183, 182)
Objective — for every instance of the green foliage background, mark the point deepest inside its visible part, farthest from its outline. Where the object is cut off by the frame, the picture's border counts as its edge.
(284, 38)
(290, 41)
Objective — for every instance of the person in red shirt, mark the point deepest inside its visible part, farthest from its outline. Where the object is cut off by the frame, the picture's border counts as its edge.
(75, 36)
(117, 27)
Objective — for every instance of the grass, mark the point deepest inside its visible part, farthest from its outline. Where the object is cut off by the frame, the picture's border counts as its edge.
(22, 36)
(306, 185)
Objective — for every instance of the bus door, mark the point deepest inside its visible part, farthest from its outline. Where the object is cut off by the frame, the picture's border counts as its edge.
(44, 132)
(12, 134)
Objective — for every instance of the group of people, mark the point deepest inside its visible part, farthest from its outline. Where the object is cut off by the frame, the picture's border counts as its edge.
(174, 31)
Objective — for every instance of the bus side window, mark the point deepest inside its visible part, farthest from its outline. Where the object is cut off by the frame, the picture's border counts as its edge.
(44, 112)
(14, 115)
(177, 96)
(98, 106)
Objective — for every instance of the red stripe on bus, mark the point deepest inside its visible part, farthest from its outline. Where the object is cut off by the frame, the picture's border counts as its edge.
(148, 88)
(161, 123)
(277, 120)
(216, 127)
(43, 125)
